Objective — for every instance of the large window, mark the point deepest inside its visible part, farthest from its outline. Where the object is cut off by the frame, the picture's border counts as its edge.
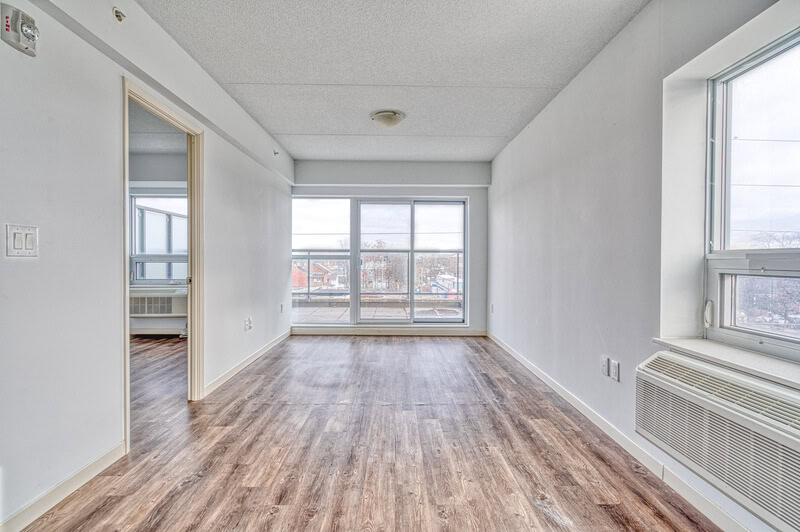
(321, 261)
(753, 285)
(408, 264)
(160, 240)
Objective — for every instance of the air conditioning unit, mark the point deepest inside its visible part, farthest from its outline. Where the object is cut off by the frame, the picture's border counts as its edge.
(739, 432)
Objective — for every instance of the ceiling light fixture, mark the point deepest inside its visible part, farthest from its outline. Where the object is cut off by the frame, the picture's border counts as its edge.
(387, 117)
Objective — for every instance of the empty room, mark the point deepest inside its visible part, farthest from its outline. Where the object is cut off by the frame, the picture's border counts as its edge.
(427, 265)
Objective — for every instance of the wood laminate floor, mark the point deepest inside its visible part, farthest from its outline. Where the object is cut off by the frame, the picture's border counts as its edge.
(366, 433)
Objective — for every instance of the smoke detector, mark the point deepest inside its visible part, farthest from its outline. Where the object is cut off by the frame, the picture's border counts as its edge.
(387, 117)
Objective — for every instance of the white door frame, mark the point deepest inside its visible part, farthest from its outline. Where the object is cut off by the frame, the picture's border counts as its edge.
(194, 188)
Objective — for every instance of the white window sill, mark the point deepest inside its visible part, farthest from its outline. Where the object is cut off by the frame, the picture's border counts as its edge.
(751, 362)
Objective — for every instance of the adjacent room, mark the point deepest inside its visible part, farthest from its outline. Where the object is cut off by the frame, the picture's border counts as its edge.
(411, 266)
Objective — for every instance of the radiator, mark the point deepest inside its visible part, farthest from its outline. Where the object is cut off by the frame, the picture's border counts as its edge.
(740, 433)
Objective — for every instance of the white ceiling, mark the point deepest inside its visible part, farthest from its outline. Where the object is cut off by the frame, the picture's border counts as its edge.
(149, 134)
(469, 74)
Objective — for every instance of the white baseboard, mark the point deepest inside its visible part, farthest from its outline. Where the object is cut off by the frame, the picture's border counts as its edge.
(222, 379)
(408, 330)
(42, 504)
(716, 514)
(151, 331)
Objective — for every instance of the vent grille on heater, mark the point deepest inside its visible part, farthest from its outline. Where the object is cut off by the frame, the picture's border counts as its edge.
(732, 446)
(779, 410)
(150, 305)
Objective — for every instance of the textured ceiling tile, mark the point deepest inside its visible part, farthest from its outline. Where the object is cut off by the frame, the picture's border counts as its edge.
(345, 109)
(157, 143)
(376, 148)
(399, 46)
(143, 121)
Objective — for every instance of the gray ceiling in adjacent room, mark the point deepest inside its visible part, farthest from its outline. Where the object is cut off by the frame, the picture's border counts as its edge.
(149, 134)
(469, 74)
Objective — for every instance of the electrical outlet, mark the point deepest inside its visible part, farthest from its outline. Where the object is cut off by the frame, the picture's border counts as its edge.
(248, 323)
(604, 362)
(615, 370)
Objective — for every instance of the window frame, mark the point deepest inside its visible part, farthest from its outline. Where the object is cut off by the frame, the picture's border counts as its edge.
(139, 259)
(355, 257)
(720, 261)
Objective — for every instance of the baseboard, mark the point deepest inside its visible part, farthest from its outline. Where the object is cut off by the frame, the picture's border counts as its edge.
(42, 504)
(716, 514)
(347, 330)
(225, 377)
(152, 331)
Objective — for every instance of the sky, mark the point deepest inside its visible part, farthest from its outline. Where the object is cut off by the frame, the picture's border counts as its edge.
(323, 223)
(765, 149)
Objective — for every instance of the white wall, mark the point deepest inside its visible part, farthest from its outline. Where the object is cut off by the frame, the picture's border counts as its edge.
(247, 257)
(393, 173)
(574, 215)
(477, 217)
(158, 167)
(144, 49)
(61, 382)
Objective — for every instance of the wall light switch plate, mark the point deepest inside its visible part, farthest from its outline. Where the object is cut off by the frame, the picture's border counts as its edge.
(22, 241)
(615, 370)
(604, 365)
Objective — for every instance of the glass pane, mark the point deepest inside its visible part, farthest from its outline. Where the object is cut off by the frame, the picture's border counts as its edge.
(320, 224)
(384, 286)
(330, 276)
(329, 298)
(439, 226)
(384, 273)
(159, 271)
(175, 205)
(765, 155)
(153, 271)
(438, 286)
(384, 307)
(299, 276)
(180, 271)
(179, 236)
(768, 304)
(386, 226)
(155, 233)
(438, 307)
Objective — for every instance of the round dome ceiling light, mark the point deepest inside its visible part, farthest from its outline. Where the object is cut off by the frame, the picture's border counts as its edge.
(387, 117)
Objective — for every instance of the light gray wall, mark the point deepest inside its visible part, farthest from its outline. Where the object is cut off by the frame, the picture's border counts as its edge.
(158, 166)
(477, 217)
(574, 214)
(392, 173)
(247, 257)
(61, 379)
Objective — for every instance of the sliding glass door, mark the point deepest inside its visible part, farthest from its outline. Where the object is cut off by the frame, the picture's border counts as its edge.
(384, 265)
(438, 261)
(407, 261)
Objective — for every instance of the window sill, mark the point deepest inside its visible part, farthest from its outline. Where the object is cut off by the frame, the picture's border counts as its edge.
(753, 363)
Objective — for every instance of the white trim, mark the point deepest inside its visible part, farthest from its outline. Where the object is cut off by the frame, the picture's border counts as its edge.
(384, 330)
(225, 377)
(717, 515)
(708, 508)
(194, 289)
(46, 501)
(154, 331)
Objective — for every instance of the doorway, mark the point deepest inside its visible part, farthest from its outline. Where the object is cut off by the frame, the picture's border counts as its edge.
(162, 184)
